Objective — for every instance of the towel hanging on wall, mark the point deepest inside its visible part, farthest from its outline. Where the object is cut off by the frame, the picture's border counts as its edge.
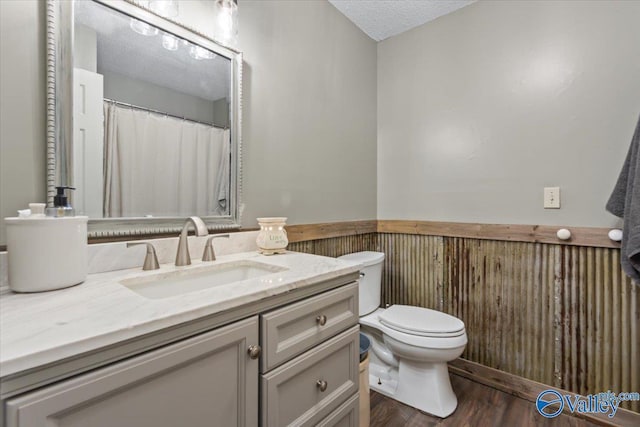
(625, 203)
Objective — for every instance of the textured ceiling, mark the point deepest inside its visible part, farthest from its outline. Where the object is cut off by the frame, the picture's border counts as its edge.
(381, 19)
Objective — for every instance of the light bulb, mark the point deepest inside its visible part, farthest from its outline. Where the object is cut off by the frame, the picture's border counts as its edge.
(142, 28)
(169, 41)
(197, 52)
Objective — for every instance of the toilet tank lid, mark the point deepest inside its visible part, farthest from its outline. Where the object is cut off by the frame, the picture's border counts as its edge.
(420, 321)
(365, 258)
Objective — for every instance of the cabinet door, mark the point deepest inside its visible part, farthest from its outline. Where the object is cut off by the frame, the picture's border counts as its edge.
(208, 380)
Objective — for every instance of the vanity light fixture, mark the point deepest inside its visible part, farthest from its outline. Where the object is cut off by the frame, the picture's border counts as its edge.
(166, 8)
(225, 31)
(226, 22)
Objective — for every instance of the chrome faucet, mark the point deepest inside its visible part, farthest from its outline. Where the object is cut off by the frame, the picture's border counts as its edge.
(182, 256)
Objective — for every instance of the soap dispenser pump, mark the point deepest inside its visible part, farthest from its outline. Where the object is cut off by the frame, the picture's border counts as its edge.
(61, 206)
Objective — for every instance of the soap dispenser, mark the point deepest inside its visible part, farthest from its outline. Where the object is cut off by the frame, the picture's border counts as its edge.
(61, 206)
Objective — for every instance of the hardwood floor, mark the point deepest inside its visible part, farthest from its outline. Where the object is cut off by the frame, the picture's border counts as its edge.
(478, 406)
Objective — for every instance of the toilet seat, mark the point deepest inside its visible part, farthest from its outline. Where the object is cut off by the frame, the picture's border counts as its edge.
(421, 322)
(435, 342)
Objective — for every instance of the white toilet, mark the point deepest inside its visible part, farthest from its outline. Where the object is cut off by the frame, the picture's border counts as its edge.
(410, 345)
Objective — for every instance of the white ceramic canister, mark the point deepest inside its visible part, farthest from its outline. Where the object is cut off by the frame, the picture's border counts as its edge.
(46, 253)
(272, 238)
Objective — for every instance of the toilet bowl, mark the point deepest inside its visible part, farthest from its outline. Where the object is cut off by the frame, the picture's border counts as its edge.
(410, 346)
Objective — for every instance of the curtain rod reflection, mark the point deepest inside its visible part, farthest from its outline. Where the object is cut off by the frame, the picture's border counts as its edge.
(151, 110)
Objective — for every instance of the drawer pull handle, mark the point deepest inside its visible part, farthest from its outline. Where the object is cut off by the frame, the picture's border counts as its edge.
(322, 385)
(322, 320)
(254, 351)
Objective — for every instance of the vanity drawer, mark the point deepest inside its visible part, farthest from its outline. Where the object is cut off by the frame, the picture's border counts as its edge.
(293, 329)
(293, 393)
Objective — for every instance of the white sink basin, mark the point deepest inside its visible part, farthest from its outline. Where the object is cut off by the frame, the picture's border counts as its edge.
(165, 285)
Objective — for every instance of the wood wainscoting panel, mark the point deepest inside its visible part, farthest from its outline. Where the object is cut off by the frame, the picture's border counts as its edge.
(337, 246)
(413, 270)
(599, 312)
(503, 291)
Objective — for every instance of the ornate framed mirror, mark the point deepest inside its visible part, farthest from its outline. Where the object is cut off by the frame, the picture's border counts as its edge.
(143, 119)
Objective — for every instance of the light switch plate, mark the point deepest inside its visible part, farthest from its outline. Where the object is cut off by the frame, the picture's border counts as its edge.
(552, 197)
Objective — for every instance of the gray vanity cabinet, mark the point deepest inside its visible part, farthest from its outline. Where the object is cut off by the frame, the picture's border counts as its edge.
(208, 380)
(307, 374)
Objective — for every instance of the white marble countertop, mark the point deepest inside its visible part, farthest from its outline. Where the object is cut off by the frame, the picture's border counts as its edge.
(41, 328)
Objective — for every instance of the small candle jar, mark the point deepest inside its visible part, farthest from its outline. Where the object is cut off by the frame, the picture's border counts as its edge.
(272, 238)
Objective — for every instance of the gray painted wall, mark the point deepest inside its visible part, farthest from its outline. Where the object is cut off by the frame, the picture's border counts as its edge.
(22, 107)
(309, 113)
(85, 48)
(221, 112)
(148, 95)
(481, 109)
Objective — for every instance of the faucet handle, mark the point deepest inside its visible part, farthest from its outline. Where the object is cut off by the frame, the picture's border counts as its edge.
(150, 260)
(209, 254)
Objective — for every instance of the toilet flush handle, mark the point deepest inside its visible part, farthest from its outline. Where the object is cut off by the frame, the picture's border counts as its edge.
(361, 275)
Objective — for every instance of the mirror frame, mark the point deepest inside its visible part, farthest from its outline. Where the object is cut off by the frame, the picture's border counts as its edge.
(59, 47)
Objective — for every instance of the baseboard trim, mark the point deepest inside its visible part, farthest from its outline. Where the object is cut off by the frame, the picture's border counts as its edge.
(529, 390)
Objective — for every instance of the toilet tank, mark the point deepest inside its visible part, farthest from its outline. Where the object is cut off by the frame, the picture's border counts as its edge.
(370, 284)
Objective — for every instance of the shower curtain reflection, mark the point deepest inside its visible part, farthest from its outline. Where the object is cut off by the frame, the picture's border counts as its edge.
(157, 165)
